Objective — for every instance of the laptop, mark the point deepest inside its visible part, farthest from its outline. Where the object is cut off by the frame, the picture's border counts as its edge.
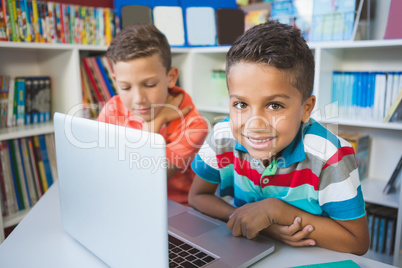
(113, 201)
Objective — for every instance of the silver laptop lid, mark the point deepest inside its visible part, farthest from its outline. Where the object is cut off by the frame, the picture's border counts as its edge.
(103, 170)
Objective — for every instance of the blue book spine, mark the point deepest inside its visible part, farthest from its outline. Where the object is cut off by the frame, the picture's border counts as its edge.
(349, 103)
(45, 159)
(380, 243)
(335, 81)
(105, 76)
(20, 101)
(24, 173)
(375, 232)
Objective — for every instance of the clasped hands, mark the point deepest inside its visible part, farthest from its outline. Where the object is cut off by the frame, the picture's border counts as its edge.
(253, 218)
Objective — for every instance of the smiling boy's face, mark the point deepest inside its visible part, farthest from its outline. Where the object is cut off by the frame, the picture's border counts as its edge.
(265, 108)
(142, 85)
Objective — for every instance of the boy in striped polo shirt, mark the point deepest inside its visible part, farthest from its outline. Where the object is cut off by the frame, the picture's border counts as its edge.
(286, 175)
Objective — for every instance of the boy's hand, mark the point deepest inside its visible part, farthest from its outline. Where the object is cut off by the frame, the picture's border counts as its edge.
(169, 112)
(250, 219)
(294, 235)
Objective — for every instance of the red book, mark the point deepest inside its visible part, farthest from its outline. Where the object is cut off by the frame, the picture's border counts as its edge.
(92, 80)
(99, 77)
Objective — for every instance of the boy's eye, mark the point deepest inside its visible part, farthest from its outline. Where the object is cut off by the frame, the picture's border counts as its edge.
(275, 106)
(124, 88)
(150, 85)
(240, 105)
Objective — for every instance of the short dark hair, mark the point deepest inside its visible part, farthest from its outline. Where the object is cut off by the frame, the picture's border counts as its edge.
(138, 41)
(278, 45)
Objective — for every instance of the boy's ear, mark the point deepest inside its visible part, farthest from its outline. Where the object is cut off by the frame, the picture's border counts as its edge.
(308, 107)
(173, 74)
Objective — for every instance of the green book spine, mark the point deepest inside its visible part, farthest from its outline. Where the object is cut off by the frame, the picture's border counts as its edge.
(13, 19)
(16, 174)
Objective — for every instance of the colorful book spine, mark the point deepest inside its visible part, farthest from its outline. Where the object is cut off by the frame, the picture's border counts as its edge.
(20, 86)
(3, 22)
(45, 159)
(39, 163)
(35, 171)
(15, 175)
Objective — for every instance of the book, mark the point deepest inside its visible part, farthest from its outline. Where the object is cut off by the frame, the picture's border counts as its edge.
(35, 171)
(28, 100)
(390, 186)
(3, 196)
(393, 29)
(28, 171)
(3, 22)
(89, 99)
(45, 159)
(39, 163)
(7, 20)
(51, 150)
(21, 174)
(395, 109)
(15, 174)
(13, 20)
(35, 20)
(91, 77)
(106, 77)
(335, 264)
(100, 81)
(20, 96)
(9, 184)
(3, 182)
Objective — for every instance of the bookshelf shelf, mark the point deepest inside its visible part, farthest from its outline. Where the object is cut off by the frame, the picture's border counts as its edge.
(372, 189)
(368, 124)
(15, 218)
(26, 131)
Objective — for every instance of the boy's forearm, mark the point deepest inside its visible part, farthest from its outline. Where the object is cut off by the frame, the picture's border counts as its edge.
(212, 205)
(328, 233)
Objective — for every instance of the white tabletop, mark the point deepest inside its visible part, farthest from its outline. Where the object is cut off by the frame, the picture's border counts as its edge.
(40, 241)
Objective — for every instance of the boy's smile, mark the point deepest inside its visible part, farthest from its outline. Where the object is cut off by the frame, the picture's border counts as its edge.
(142, 85)
(266, 110)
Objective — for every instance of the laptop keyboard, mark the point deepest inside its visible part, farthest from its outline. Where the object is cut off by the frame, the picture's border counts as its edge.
(182, 254)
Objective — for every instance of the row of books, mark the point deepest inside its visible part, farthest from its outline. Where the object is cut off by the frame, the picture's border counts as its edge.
(97, 84)
(318, 20)
(382, 222)
(27, 169)
(24, 100)
(51, 22)
(368, 95)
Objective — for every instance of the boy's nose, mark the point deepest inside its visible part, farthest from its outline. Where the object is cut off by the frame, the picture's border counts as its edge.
(138, 96)
(257, 122)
